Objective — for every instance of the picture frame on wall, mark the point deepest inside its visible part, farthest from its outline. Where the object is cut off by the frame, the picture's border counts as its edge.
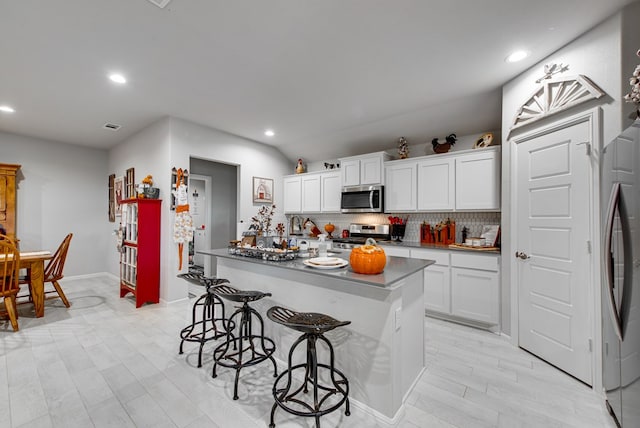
(112, 199)
(118, 191)
(262, 190)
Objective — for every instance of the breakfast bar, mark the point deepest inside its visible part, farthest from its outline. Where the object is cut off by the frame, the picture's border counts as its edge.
(381, 352)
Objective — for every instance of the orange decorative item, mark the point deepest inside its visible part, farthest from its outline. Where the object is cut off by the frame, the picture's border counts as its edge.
(368, 259)
(329, 228)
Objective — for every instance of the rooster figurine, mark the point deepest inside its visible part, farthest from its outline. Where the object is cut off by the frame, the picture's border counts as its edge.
(439, 147)
(300, 167)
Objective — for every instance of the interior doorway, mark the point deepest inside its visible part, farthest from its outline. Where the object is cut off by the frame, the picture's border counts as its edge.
(552, 205)
(216, 187)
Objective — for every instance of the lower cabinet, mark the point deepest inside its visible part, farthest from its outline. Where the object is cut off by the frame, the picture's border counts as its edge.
(461, 285)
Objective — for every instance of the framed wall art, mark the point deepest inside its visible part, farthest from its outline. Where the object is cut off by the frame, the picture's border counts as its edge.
(112, 199)
(262, 190)
(118, 191)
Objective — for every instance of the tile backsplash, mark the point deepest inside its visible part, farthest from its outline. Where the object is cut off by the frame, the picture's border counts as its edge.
(472, 220)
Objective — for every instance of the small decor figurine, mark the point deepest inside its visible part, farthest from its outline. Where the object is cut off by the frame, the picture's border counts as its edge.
(403, 148)
(634, 95)
(484, 141)
(439, 147)
(328, 165)
(300, 167)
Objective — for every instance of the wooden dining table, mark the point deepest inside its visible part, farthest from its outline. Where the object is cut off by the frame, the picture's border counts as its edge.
(33, 261)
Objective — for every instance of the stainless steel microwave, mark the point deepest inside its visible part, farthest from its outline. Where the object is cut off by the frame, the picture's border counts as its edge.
(362, 199)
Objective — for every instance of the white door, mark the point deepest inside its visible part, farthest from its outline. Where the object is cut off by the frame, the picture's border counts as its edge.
(552, 208)
(199, 190)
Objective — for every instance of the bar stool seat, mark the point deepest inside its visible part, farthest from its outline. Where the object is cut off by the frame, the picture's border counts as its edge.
(330, 386)
(205, 325)
(245, 348)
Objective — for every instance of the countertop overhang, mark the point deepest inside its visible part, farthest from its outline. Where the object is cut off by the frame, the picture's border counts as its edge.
(396, 269)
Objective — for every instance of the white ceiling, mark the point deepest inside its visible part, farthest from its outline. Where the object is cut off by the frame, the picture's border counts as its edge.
(331, 77)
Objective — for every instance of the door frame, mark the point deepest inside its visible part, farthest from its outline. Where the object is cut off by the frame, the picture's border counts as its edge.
(207, 217)
(593, 117)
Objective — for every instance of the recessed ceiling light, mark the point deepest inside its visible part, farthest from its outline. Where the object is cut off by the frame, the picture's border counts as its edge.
(118, 78)
(517, 56)
(7, 109)
(269, 133)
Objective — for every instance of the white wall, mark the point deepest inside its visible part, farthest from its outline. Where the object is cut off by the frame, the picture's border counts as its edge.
(62, 188)
(598, 55)
(171, 142)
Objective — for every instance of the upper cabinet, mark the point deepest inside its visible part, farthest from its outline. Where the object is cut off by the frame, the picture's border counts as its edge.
(400, 190)
(436, 179)
(463, 181)
(292, 194)
(312, 192)
(363, 170)
(478, 180)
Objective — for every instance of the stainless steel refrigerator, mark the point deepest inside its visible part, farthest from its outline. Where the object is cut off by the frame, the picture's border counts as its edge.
(620, 196)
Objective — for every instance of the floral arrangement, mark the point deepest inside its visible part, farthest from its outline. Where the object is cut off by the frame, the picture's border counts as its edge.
(403, 148)
(261, 222)
(634, 95)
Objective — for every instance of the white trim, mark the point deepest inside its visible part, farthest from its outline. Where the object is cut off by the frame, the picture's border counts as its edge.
(594, 117)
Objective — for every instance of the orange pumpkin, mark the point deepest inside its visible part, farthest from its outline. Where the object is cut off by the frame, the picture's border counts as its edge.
(368, 259)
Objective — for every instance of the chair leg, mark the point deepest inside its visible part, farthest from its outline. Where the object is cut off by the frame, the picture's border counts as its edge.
(10, 304)
(61, 293)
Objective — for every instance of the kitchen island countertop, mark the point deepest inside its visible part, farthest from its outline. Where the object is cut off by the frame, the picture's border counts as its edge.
(395, 270)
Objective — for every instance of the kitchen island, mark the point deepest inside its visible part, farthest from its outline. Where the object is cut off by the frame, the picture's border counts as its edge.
(381, 352)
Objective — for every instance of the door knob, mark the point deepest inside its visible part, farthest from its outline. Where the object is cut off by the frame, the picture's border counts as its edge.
(522, 255)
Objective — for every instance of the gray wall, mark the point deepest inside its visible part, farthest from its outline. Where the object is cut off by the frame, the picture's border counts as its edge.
(62, 188)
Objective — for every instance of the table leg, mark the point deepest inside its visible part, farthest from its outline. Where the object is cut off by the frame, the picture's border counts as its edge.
(37, 286)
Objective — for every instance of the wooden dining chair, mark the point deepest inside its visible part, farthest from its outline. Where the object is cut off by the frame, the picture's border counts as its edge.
(9, 287)
(53, 272)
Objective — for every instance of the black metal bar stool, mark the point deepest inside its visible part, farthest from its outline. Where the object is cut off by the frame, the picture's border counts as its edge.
(205, 325)
(249, 349)
(330, 385)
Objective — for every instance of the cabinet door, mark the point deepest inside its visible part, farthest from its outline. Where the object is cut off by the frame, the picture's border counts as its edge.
(330, 192)
(436, 184)
(350, 172)
(292, 194)
(371, 170)
(311, 193)
(437, 289)
(475, 295)
(478, 181)
(400, 191)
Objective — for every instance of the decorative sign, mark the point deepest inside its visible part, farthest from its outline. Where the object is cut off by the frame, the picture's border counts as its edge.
(262, 190)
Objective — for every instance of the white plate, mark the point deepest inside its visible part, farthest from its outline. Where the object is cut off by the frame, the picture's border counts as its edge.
(326, 263)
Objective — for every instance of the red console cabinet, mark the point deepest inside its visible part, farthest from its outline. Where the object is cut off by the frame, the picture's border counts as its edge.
(140, 249)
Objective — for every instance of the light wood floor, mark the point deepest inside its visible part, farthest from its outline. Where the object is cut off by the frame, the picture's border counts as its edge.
(104, 363)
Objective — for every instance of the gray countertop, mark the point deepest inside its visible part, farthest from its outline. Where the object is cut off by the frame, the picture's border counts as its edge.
(416, 244)
(396, 268)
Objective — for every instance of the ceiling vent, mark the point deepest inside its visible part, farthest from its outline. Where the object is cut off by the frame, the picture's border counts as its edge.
(160, 3)
(111, 126)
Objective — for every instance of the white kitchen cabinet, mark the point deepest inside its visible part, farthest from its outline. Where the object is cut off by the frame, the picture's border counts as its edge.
(395, 251)
(436, 187)
(330, 191)
(475, 287)
(363, 170)
(310, 184)
(437, 280)
(292, 194)
(312, 192)
(400, 189)
(462, 286)
(477, 178)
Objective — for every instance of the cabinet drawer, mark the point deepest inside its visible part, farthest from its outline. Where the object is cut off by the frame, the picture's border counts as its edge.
(441, 257)
(396, 251)
(475, 261)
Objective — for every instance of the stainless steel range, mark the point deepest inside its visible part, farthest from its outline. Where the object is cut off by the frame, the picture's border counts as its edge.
(358, 234)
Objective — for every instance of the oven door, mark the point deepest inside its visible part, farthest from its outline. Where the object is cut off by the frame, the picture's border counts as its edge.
(364, 199)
